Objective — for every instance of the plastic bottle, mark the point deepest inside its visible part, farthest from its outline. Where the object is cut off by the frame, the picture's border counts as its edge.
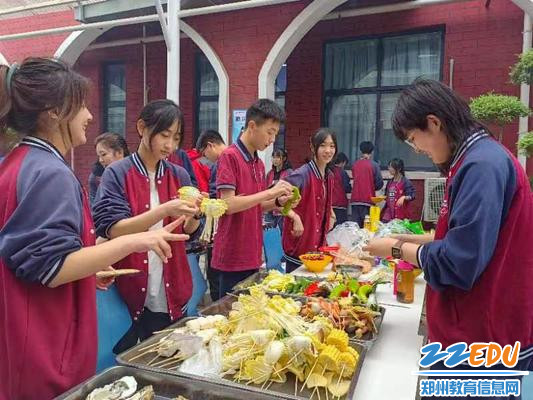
(405, 282)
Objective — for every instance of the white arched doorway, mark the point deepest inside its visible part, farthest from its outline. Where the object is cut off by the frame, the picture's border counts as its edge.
(77, 42)
(288, 40)
(3, 60)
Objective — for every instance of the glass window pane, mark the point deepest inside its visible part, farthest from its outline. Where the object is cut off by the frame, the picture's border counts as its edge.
(208, 115)
(281, 80)
(406, 58)
(115, 98)
(353, 118)
(116, 119)
(350, 65)
(391, 147)
(208, 77)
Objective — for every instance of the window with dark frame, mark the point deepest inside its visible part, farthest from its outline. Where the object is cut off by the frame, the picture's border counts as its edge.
(206, 89)
(281, 89)
(363, 79)
(114, 104)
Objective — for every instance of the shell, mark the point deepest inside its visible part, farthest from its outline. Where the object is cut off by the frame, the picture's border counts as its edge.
(120, 389)
(146, 393)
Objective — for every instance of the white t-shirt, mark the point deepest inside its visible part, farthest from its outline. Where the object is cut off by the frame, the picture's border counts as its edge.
(156, 297)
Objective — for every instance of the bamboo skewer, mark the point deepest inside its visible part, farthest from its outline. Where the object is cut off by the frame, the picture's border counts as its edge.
(310, 372)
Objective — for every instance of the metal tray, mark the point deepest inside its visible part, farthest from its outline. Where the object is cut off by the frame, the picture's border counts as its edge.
(275, 391)
(165, 386)
(223, 307)
(260, 275)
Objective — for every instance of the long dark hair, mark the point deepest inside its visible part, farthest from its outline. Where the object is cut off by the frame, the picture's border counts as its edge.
(282, 153)
(36, 86)
(320, 137)
(113, 141)
(397, 164)
(159, 115)
(424, 97)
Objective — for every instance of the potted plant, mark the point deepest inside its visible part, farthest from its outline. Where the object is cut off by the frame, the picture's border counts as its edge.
(498, 109)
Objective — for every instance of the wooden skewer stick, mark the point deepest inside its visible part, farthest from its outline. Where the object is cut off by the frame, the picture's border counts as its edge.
(318, 392)
(313, 393)
(295, 385)
(310, 372)
(270, 384)
(276, 372)
(153, 359)
(142, 354)
(164, 331)
(151, 346)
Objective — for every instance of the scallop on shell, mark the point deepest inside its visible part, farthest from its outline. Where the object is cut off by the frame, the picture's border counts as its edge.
(120, 389)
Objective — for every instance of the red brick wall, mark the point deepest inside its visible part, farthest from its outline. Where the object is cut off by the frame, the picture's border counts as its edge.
(482, 41)
(17, 50)
(91, 63)
(242, 40)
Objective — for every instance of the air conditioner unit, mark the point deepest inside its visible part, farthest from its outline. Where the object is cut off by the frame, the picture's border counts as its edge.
(433, 198)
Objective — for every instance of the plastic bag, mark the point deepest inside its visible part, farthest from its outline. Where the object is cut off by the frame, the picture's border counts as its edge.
(207, 362)
(349, 236)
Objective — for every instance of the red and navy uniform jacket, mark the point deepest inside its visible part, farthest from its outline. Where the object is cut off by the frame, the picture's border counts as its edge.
(271, 176)
(125, 192)
(201, 169)
(341, 186)
(393, 191)
(314, 209)
(480, 266)
(180, 157)
(238, 243)
(366, 180)
(49, 335)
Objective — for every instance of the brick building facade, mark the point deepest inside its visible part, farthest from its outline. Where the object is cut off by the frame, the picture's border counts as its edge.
(482, 38)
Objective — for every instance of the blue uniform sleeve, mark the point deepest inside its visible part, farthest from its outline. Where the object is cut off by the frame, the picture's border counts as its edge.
(213, 182)
(298, 177)
(378, 179)
(93, 187)
(480, 197)
(45, 227)
(187, 164)
(409, 189)
(111, 204)
(346, 182)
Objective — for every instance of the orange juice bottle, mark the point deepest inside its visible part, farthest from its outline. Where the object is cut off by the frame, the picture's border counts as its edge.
(405, 282)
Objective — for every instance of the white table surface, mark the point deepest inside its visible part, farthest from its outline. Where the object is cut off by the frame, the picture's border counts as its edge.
(388, 366)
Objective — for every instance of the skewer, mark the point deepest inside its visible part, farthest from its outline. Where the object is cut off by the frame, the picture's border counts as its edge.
(310, 372)
(142, 354)
(150, 346)
(270, 384)
(285, 367)
(318, 392)
(295, 385)
(164, 331)
(153, 359)
(313, 393)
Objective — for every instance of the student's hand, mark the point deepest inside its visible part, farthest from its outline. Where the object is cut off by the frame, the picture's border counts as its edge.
(400, 201)
(282, 188)
(104, 283)
(380, 247)
(285, 198)
(297, 226)
(157, 240)
(176, 208)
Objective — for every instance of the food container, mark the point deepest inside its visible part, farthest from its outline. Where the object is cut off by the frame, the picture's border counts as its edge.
(315, 262)
(165, 386)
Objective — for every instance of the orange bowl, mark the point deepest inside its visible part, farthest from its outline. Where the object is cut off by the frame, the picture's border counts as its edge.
(377, 199)
(315, 265)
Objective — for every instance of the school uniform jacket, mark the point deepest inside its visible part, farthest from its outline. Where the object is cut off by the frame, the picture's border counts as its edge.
(282, 175)
(180, 158)
(314, 210)
(366, 180)
(341, 186)
(393, 191)
(125, 192)
(480, 266)
(49, 335)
